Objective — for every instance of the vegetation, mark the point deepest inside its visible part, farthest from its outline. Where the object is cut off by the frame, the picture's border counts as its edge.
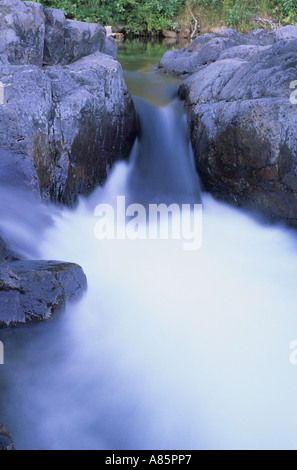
(153, 16)
(140, 16)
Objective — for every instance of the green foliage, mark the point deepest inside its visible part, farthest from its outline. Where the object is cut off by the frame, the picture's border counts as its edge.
(141, 16)
(152, 16)
(287, 10)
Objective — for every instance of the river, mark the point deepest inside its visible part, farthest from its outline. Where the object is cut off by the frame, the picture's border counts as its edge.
(169, 348)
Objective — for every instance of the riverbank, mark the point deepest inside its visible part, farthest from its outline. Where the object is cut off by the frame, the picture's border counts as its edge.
(158, 18)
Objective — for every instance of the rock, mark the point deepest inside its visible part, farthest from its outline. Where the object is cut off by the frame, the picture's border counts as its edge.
(33, 291)
(243, 52)
(26, 131)
(57, 139)
(67, 41)
(169, 34)
(108, 30)
(243, 129)
(54, 46)
(82, 39)
(120, 27)
(184, 33)
(202, 51)
(119, 37)
(259, 37)
(287, 32)
(22, 32)
(94, 125)
(6, 442)
(217, 29)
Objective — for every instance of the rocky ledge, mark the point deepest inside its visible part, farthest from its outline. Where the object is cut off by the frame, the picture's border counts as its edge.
(242, 116)
(33, 291)
(65, 112)
(6, 442)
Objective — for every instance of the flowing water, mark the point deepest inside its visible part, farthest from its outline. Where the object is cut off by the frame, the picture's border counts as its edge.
(168, 349)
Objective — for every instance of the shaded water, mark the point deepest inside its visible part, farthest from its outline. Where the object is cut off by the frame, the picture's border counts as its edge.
(168, 349)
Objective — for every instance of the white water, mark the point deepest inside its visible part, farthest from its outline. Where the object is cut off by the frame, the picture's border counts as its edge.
(168, 349)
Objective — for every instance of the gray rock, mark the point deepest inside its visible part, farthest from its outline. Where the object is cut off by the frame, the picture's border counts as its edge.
(62, 128)
(243, 52)
(33, 291)
(82, 39)
(6, 442)
(22, 32)
(243, 130)
(259, 37)
(94, 124)
(110, 47)
(25, 127)
(202, 51)
(54, 45)
(287, 32)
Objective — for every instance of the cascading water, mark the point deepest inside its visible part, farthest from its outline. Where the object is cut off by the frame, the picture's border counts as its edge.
(168, 349)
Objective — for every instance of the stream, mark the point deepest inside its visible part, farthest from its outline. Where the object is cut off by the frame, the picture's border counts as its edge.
(169, 348)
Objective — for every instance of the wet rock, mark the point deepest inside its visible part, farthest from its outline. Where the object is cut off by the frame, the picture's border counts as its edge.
(6, 442)
(33, 291)
(94, 124)
(243, 128)
(61, 126)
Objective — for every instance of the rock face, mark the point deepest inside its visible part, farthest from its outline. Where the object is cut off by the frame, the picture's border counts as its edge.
(22, 32)
(61, 125)
(6, 442)
(242, 122)
(33, 291)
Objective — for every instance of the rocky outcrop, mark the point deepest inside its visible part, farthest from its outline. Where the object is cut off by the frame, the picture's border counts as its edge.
(66, 114)
(241, 119)
(33, 291)
(6, 442)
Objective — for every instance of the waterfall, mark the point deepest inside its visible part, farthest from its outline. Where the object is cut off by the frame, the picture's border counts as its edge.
(168, 349)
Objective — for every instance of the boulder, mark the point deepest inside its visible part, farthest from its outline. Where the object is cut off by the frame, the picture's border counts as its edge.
(94, 124)
(169, 34)
(33, 291)
(287, 32)
(243, 129)
(61, 126)
(202, 51)
(260, 37)
(22, 32)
